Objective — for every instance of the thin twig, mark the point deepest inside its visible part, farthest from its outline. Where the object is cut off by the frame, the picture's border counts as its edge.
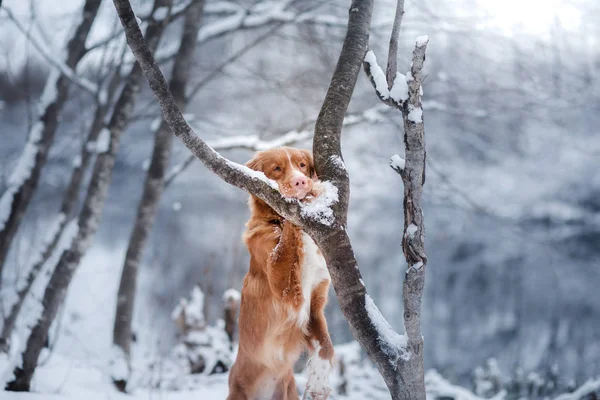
(390, 73)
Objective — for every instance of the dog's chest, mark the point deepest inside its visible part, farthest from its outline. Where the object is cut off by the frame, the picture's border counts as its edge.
(314, 271)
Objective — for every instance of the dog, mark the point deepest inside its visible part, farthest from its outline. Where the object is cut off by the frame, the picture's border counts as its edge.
(284, 292)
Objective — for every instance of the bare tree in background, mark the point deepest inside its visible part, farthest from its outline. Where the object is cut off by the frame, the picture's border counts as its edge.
(24, 179)
(87, 222)
(153, 189)
(68, 206)
(325, 221)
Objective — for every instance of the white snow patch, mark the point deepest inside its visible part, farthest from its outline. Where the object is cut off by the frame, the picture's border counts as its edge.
(90, 146)
(338, 162)
(232, 295)
(319, 209)
(416, 266)
(155, 124)
(397, 162)
(52, 232)
(49, 94)
(415, 114)
(393, 344)
(160, 13)
(103, 142)
(377, 75)
(411, 230)
(438, 387)
(587, 388)
(22, 171)
(119, 368)
(399, 91)
(192, 310)
(422, 40)
(103, 96)
(254, 174)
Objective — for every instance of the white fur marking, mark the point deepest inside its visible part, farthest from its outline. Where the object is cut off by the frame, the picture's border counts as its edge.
(318, 371)
(314, 271)
(295, 171)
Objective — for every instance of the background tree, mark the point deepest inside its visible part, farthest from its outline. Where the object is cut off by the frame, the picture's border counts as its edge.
(24, 179)
(87, 222)
(153, 186)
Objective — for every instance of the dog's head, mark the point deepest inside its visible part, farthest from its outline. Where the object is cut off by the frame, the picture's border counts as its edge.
(292, 169)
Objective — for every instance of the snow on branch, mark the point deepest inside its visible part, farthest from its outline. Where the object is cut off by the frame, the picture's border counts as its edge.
(55, 62)
(255, 143)
(26, 161)
(376, 75)
(393, 344)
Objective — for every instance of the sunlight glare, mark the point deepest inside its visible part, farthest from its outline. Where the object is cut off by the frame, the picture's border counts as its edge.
(531, 16)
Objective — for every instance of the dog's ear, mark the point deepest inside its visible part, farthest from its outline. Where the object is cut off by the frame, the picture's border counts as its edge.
(256, 162)
(311, 164)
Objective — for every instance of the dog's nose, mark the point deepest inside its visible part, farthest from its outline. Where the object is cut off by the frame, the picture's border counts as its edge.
(299, 182)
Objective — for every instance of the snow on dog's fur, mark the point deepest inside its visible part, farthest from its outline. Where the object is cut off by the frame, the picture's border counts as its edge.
(284, 292)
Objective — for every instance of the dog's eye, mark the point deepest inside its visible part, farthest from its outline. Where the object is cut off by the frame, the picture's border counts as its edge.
(277, 169)
(302, 165)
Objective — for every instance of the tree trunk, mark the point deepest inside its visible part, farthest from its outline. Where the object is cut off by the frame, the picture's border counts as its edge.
(66, 214)
(88, 219)
(154, 184)
(24, 180)
(389, 351)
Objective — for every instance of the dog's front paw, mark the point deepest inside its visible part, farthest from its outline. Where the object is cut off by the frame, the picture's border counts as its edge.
(317, 387)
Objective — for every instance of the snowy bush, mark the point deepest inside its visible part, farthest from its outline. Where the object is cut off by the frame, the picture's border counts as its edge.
(207, 349)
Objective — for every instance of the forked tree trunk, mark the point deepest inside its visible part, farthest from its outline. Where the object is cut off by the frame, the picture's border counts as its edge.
(87, 223)
(154, 185)
(66, 214)
(24, 180)
(389, 351)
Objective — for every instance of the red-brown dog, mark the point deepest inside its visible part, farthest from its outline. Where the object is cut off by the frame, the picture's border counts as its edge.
(284, 292)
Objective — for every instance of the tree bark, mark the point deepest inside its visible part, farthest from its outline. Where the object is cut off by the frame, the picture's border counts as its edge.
(387, 349)
(154, 183)
(66, 214)
(89, 217)
(23, 183)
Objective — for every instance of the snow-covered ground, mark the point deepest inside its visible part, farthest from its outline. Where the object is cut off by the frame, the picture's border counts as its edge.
(65, 378)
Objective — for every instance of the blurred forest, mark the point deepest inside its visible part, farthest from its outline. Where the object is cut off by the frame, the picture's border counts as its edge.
(512, 199)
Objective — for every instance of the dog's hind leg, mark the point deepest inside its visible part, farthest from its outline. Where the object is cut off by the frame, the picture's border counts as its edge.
(319, 343)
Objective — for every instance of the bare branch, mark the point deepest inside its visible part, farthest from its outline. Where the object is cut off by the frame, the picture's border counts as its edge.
(390, 72)
(64, 69)
(255, 143)
(328, 129)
